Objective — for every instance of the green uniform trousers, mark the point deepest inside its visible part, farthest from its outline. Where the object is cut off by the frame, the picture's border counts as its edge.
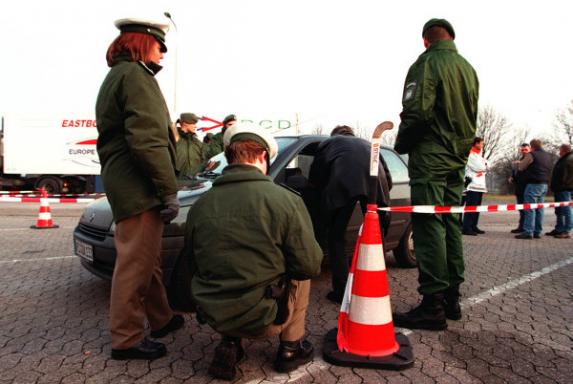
(438, 237)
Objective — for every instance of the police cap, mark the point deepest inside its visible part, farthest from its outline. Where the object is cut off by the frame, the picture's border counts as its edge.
(439, 23)
(154, 28)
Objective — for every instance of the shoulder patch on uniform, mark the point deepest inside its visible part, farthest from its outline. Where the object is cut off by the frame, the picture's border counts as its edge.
(409, 91)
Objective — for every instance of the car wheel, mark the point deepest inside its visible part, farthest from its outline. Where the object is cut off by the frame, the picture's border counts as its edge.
(179, 289)
(404, 253)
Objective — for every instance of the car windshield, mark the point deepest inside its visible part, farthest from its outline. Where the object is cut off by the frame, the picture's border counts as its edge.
(217, 163)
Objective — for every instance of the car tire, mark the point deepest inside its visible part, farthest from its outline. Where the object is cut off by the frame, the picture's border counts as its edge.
(179, 289)
(50, 184)
(404, 253)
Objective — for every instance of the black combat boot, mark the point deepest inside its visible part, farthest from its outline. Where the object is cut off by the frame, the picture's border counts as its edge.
(292, 354)
(452, 303)
(430, 314)
(227, 354)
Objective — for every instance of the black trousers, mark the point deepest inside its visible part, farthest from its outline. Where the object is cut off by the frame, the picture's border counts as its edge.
(338, 259)
(470, 221)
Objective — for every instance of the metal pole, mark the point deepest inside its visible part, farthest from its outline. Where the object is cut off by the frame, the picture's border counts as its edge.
(176, 83)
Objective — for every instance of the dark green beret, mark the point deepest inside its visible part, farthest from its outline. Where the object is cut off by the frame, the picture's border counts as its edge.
(155, 29)
(229, 118)
(189, 118)
(439, 23)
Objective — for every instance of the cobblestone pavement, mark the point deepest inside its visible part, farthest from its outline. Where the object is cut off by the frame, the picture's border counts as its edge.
(517, 325)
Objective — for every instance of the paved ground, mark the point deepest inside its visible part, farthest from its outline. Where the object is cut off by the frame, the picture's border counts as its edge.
(517, 325)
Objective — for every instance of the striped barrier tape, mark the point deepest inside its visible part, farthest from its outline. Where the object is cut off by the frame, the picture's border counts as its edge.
(39, 194)
(10, 199)
(473, 208)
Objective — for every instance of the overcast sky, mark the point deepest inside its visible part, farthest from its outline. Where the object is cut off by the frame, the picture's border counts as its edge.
(329, 61)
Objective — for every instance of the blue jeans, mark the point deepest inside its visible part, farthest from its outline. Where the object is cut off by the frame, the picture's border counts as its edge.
(564, 215)
(534, 193)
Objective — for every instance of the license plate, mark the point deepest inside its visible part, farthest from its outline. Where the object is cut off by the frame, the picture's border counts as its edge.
(84, 250)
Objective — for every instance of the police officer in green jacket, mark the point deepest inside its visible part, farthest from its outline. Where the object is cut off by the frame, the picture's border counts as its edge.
(252, 252)
(189, 147)
(136, 148)
(216, 145)
(438, 123)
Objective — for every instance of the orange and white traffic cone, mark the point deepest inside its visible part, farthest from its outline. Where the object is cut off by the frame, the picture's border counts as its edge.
(365, 335)
(44, 215)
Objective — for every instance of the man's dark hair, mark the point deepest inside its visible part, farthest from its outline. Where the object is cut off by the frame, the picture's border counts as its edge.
(524, 145)
(342, 130)
(477, 140)
(437, 33)
(536, 144)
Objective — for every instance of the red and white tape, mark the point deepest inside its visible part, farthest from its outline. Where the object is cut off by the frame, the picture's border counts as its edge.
(39, 194)
(474, 208)
(10, 199)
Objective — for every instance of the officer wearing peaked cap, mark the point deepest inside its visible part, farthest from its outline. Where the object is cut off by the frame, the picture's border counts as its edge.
(216, 146)
(438, 124)
(154, 28)
(252, 252)
(189, 147)
(136, 148)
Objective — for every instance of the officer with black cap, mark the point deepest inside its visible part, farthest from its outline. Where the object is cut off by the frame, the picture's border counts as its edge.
(136, 148)
(189, 147)
(216, 145)
(438, 124)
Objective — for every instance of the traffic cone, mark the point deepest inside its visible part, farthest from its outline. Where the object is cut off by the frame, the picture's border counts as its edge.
(365, 335)
(44, 215)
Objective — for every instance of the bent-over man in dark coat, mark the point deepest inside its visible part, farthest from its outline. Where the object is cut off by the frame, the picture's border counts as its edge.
(341, 171)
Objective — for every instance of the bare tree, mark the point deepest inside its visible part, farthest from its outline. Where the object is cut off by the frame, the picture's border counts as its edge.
(494, 129)
(318, 129)
(564, 127)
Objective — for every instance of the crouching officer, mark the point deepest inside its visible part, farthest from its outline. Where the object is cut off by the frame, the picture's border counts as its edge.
(252, 252)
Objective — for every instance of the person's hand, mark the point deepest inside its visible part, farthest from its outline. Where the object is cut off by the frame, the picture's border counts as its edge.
(170, 208)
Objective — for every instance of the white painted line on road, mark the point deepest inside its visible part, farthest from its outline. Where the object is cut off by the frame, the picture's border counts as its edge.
(37, 259)
(499, 289)
(319, 364)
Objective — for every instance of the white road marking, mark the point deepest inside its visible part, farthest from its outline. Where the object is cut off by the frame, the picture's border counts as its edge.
(37, 259)
(319, 364)
(499, 289)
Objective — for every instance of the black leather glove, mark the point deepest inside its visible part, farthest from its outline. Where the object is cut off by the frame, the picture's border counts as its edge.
(170, 208)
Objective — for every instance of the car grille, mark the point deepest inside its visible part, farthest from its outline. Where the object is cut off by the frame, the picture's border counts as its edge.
(98, 233)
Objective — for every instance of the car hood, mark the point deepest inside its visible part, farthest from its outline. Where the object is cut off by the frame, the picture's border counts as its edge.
(98, 213)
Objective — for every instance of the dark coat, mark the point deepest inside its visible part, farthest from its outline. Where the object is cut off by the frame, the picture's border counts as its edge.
(439, 115)
(341, 170)
(189, 154)
(243, 235)
(562, 175)
(136, 146)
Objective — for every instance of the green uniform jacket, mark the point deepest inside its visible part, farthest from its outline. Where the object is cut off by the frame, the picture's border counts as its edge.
(242, 236)
(135, 145)
(189, 154)
(215, 146)
(440, 106)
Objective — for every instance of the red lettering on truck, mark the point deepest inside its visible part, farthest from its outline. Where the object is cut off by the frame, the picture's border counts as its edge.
(78, 123)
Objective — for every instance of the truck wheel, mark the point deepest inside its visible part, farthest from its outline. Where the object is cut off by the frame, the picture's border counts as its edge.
(404, 253)
(50, 184)
(179, 289)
